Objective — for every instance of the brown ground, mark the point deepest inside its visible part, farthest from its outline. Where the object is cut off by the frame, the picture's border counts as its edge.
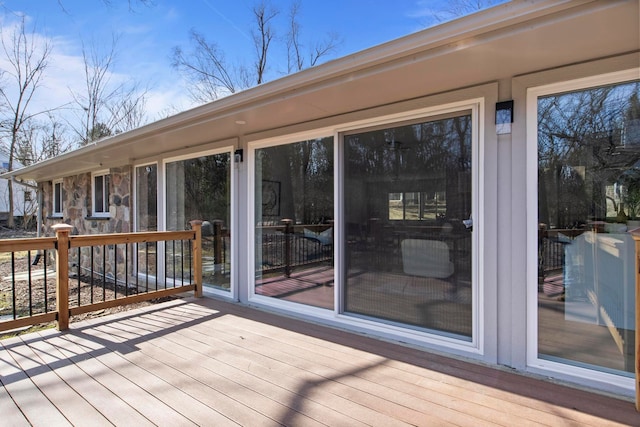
(37, 291)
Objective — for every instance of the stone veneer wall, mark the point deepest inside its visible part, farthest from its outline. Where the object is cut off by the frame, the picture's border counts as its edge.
(77, 213)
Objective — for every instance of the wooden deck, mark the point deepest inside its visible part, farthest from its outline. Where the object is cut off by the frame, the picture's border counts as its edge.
(209, 363)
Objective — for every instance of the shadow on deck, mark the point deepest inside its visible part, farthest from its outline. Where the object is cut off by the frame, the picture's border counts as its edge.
(207, 362)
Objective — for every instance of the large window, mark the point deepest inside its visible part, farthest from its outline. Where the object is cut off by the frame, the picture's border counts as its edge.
(294, 227)
(588, 146)
(407, 191)
(200, 189)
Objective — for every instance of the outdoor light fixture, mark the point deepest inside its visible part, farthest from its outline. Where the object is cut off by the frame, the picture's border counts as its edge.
(504, 117)
(238, 155)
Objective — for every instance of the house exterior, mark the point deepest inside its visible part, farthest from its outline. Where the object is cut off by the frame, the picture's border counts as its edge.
(25, 203)
(467, 189)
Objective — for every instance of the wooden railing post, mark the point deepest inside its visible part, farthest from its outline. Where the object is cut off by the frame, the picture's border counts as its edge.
(636, 237)
(196, 225)
(62, 275)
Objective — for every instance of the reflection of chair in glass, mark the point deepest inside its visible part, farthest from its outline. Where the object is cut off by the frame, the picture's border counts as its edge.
(426, 258)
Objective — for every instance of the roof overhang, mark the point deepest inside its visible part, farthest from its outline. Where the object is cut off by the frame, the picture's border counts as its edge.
(502, 42)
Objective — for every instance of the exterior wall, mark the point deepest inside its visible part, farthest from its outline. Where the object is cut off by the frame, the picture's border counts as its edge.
(21, 206)
(77, 213)
(77, 204)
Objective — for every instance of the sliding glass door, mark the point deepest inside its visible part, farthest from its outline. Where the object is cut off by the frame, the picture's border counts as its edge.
(294, 227)
(407, 207)
(200, 188)
(588, 180)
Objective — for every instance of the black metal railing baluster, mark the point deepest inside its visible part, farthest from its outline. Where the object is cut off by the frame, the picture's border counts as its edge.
(126, 270)
(46, 290)
(156, 267)
(13, 283)
(29, 286)
(181, 262)
(91, 273)
(190, 264)
(146, 249)
(137, 266)
(115, 271)
(104, 272)
(79, 281)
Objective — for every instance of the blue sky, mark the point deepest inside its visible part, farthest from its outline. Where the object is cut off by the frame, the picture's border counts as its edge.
(148, 34)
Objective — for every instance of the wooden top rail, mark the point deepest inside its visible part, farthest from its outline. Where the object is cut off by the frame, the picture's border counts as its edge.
(29, 244)
(122, 238)
(49, 243)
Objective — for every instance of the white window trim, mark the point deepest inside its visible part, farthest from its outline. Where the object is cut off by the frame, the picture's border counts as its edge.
(57, 203)
(135, 192)
(106, 207)
(476, 346)
(534, 363)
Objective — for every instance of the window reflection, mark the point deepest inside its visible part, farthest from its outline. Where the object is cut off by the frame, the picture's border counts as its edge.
(407, 191)
(200, 188)
(294, 222)
(589, 194)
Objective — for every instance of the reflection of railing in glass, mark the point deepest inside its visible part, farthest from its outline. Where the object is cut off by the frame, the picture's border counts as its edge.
(288, 246)
(216, 242)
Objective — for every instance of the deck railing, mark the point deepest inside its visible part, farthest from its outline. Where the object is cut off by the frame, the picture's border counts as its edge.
(53, 278)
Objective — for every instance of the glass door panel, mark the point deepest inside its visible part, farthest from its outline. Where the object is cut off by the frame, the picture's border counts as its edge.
(200, 188)
(147, 220)
(407, 190)
(294, 227)
(588, 200)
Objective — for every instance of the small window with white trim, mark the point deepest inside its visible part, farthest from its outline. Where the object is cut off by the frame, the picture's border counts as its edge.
(100, 194)
(58, 198)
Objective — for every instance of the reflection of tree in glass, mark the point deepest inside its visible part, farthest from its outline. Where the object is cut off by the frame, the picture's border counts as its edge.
(586, 143)
(207, 187)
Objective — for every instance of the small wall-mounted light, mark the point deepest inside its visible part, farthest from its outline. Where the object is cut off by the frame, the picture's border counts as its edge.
(504, 117)
(238, 155)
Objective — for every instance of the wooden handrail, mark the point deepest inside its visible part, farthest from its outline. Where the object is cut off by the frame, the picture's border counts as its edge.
(123, 238)
(62, 244)
(37, 244)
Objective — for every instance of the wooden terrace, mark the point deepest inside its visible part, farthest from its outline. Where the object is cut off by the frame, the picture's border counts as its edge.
(200, 361)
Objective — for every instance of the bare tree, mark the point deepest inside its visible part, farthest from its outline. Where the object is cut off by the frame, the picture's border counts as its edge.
(206, 68)
(40, 140)
(295, 50)
(262, 38)
(457, 8)
(107, 107)
(211, 75)
(27, 61)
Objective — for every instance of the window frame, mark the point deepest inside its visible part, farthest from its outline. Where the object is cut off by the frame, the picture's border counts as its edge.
(482, 343)
(57, 205)
(534, 362)
(163, 164)
(105, 212)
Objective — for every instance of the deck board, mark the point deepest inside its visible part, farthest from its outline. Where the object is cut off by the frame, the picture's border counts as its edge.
(206, 362)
